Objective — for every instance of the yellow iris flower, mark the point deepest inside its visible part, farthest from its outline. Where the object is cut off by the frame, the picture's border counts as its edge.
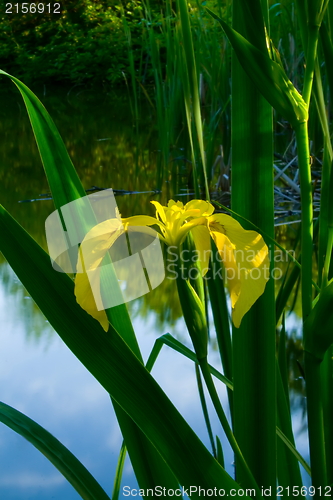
(244, 253)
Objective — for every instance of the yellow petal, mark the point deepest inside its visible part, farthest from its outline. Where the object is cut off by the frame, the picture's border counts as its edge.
(246, 256)
(182, 231)
(97, 242)
(144, 230)
(92, 251)
(180, 218)
(175, 205)
(141, 220)
(226, 251)
(204, 207)
(201, 239)
(189, 214)
(139, 223)
(160, 211)
(85, 298)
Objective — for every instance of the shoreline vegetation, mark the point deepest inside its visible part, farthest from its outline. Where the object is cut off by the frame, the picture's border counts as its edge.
(85, 43)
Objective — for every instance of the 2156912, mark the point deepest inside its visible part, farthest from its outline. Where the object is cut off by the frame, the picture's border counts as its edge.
(33, 8)
(303, 491)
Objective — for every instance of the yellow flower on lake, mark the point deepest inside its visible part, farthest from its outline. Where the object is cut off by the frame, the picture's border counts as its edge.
(244, 253)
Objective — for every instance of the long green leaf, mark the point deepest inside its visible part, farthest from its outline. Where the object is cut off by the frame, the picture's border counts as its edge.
(192, 83)
(119, 472)
(293, 450)
(170, 341)
(253, 343)
(69, 466)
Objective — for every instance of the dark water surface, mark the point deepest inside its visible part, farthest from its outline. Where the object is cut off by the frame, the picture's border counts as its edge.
(38, 374)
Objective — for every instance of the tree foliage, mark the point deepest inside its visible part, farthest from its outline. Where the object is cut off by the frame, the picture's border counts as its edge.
(85, 42)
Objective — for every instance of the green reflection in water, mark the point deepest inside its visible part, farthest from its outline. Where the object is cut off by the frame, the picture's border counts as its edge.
(99, 135)
(113, 162)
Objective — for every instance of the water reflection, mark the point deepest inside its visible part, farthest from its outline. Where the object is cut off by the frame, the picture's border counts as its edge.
(42, 378)
(114, 162)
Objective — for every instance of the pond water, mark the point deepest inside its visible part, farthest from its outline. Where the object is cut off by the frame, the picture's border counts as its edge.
(38, 374)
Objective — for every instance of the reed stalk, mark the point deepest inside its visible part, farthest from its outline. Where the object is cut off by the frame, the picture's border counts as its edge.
(327, 391)
(252, 197)
(315, 422)
(247, 471)
(219, 306)
(307, 217)
(312, 365)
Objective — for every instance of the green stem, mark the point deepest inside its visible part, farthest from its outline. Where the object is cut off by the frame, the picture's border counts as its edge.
(219, 307)
(312, 365)
(323, 243)
(327, 391)
(327, 258)
(311, 55)
(286, 290)
(328, 211)
(305, 172)
(315, 422)
(205, 410)
(195, 320)
(307, 217)
(225, 424)
(288, 466)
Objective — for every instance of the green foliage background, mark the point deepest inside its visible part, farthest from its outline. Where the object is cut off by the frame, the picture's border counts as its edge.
(85, 42)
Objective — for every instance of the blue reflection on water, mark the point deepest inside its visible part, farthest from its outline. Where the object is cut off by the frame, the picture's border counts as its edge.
(42, 378)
